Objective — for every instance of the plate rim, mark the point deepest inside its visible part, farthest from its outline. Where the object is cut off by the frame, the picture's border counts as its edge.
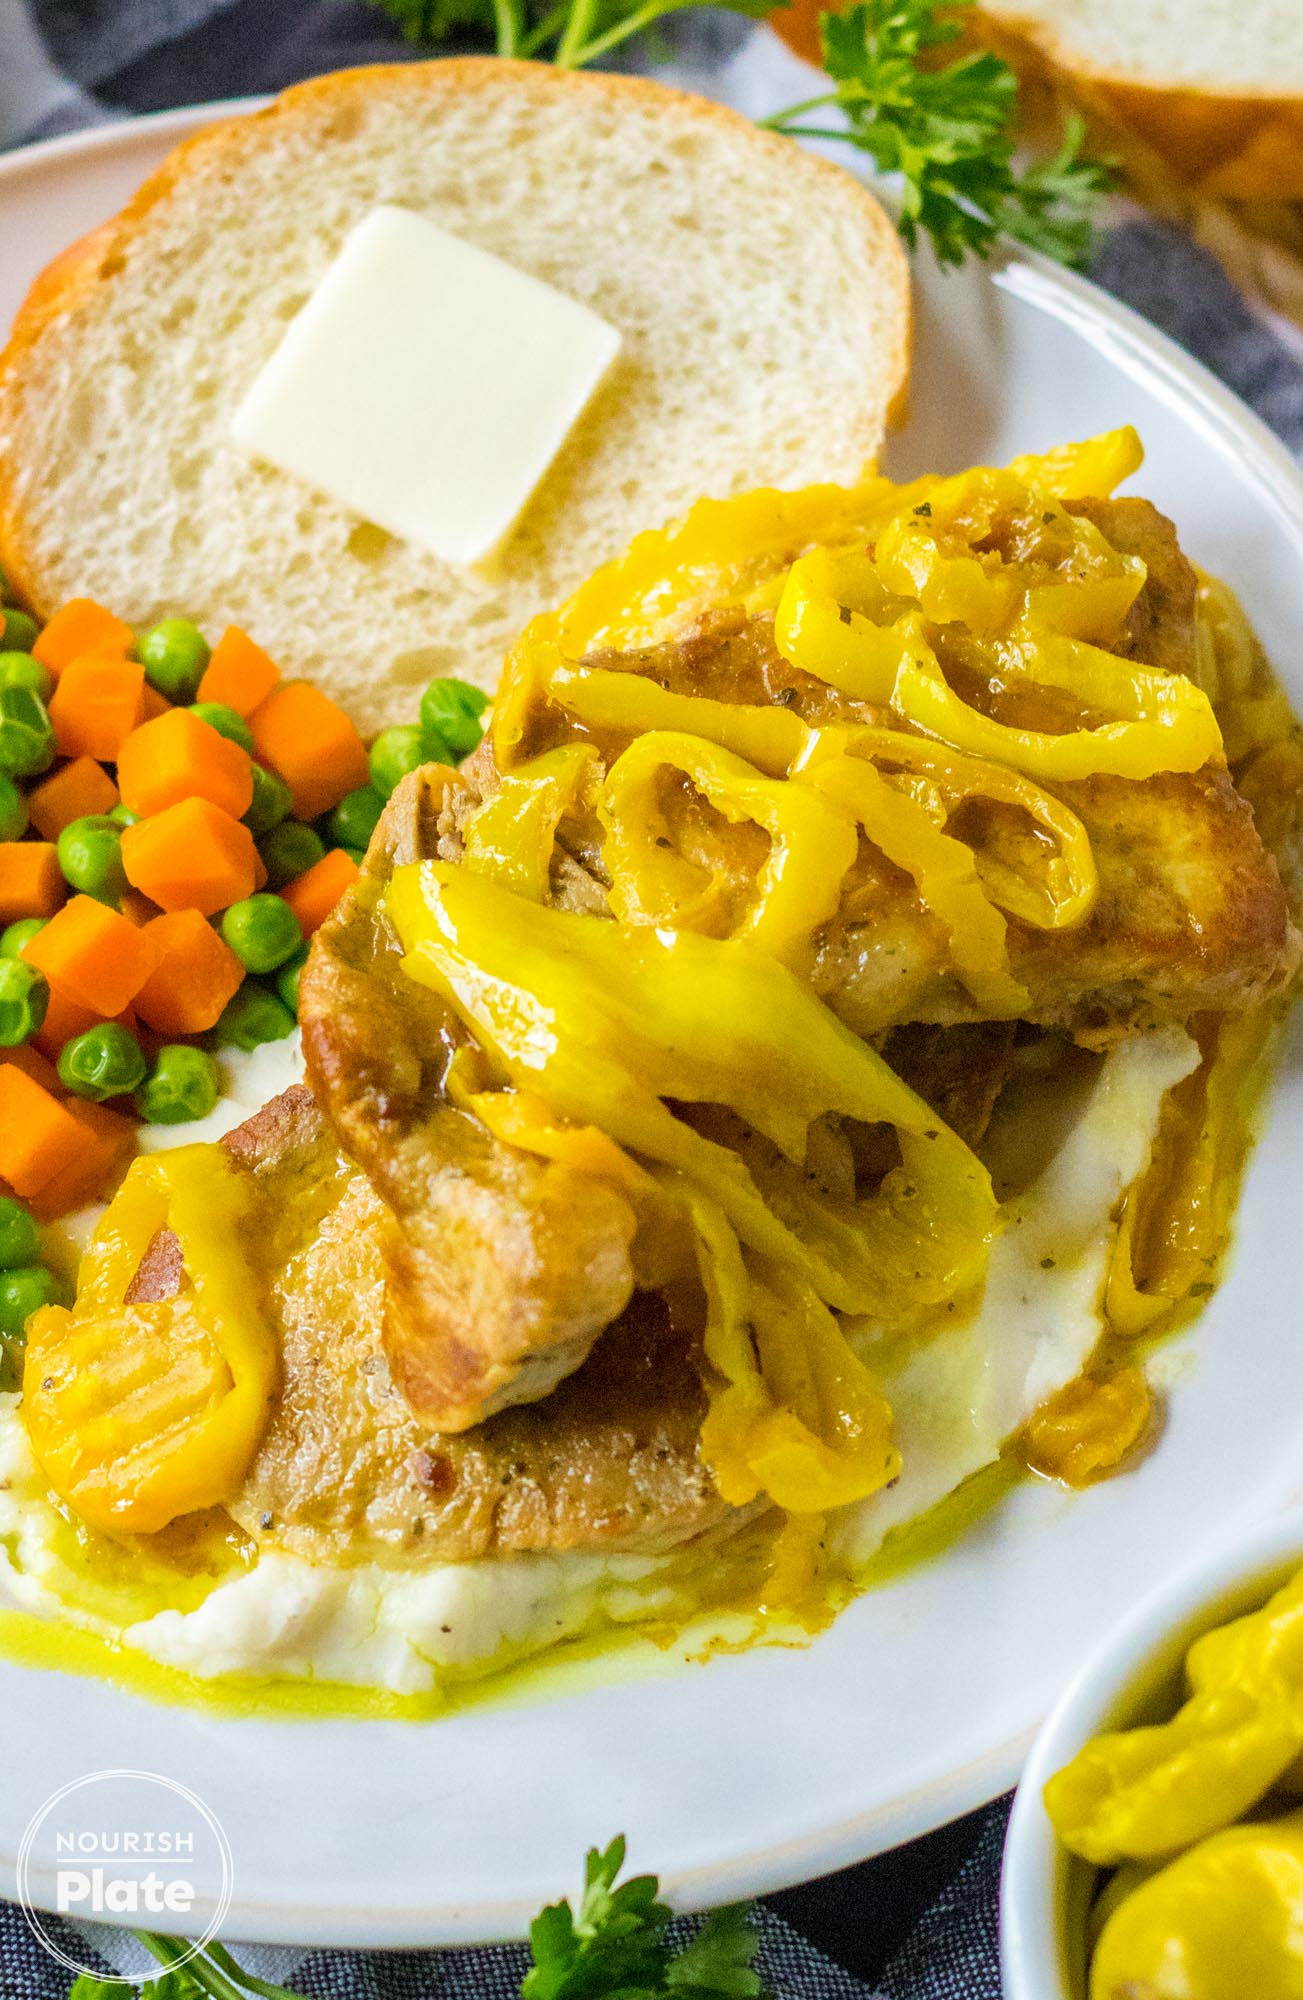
(1228, 422)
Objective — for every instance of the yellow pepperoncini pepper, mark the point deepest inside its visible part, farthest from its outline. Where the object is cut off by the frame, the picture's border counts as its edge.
(630, 704)
(139, 1413)
(1219, 1923)
(1062, 890)
(836, 620)
(511, 836)
(1176, 1218)
(944, 873)
(1086, 470)
(1054, 567)
(1164, 722)
(715, 555)
(795, 1414)
(811, 845)
(1144, 1793)
(605, 1021)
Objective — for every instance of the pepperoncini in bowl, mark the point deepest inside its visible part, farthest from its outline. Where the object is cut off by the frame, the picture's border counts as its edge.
(1156, 1846)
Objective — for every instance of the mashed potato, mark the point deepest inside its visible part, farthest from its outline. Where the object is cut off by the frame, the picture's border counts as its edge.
(958, 1392)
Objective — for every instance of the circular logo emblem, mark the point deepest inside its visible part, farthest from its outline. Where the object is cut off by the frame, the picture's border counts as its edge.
(124, 1847)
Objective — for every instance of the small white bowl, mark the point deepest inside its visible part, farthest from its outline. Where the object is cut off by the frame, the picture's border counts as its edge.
(1133, 1676)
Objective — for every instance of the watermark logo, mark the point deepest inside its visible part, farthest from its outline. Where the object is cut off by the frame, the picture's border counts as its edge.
(125, 1847)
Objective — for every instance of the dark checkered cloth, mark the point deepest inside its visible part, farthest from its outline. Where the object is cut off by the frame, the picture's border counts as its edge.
(919, 1924)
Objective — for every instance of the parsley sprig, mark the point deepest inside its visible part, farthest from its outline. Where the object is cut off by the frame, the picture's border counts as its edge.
(947, 131)
(616, 1947)
(570, 33)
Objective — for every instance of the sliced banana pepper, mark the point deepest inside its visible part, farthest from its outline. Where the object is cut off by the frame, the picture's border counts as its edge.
(512, 835)
(140, 1413)
(942, 780)
(812, 845)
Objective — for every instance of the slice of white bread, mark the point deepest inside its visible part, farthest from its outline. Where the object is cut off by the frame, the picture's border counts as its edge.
(1214, 87)
(761, 293)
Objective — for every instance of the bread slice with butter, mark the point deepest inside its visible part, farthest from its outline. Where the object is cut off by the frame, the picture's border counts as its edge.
(760, 294)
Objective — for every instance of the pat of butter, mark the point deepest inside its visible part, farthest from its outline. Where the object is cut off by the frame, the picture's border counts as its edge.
(426, 385)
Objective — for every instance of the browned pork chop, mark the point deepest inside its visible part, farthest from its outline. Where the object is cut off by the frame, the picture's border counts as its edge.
(609, 1460)
(1191, 914)
(502, 1268)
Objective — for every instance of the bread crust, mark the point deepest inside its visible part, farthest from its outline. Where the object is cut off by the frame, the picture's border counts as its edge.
(1236, 144)
(75, 276)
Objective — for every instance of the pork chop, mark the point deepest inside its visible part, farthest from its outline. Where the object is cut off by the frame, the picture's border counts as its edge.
(502, 1268)
(609, 1460)
(1191, 914)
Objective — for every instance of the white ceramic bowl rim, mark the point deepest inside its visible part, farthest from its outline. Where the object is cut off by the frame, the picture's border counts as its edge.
(1238, 1574)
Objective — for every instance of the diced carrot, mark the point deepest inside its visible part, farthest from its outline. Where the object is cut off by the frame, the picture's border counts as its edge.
(81, 628)
(96, 705)
(194, 856)
(32, 1063)
(31, 880)
(73, 791)
(92, 955)
(180, 756)
(137, 909)
(239, 673)
(196, 974)
(154, 703)
(313, 895)
(65, 1019)
(309, 741)
(108, 1141)
(39, 1137)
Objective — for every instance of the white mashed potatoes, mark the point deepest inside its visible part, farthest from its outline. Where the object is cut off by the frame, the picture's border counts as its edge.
(958, 1392)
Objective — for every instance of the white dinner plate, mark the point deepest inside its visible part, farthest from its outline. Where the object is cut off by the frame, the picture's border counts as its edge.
(759, 1769)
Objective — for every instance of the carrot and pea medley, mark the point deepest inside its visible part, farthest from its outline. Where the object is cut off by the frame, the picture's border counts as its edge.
(175, 822)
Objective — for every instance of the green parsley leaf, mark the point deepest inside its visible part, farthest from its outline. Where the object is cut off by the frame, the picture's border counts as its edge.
(947, 131)
(617, 1945)
(719, 1959)
(570, 33)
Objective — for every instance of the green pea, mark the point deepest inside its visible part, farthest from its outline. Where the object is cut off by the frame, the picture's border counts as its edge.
(262, 931)
(13, 810)
(12, 1354)
(354, 819)
(288, 851)
(122, 815)
(253, 1016)
(225, 721)
(394, 753)
(14, 936)
(357, 855)
(90, 855)
(22, 1292)
(174, 654)
(26, 733)
(184, 1084)
(272, 802)
(20, 631)
(24, 997)
(21, 670)
(20, 1239)
(450, 717)
(287, 979)
(106, 1061)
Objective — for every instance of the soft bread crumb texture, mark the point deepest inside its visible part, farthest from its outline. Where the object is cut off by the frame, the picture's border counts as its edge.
(760, 292)
(1253, 46)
